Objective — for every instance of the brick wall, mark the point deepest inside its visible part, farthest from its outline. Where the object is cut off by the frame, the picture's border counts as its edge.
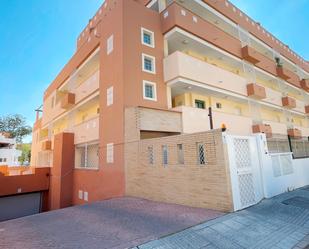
(192, 184)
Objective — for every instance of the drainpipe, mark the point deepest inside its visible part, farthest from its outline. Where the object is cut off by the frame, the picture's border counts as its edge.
(210, 118)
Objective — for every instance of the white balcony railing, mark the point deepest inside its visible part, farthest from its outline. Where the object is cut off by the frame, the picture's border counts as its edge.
(86, 131)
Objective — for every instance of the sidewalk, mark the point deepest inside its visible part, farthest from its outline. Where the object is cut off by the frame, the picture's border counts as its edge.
(280, 223)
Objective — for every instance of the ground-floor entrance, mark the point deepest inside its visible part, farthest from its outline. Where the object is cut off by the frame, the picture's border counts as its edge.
(15, 206)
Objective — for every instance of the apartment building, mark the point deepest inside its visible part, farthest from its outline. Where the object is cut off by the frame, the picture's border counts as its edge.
(146, 70)
(9, 155)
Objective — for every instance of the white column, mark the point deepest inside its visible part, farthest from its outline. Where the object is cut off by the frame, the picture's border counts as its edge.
(169, 97)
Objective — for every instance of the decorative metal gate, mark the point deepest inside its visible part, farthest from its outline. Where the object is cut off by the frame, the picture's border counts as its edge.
(244, 170)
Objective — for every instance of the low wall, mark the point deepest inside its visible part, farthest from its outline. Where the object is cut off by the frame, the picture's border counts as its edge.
(193, 184)
(282, 173)
(17, 184)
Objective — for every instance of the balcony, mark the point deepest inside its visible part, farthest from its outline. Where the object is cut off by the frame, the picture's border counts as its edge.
(295, 133)
(197, 120)
(87, 88)
(250, 54)
(212, 34)
(187, 22)
(305, 84)
(255, 91)
(262, 128)
(46, 145)
(180, 65)
(283, 73)
(68, 100)
(288, 102)
(87, 131)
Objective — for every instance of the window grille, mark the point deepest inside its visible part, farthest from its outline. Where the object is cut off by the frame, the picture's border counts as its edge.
(149, 90)
(87, 156)
(150, 155)
(147, 37)
(180, 155)
(148, 64)
(164, 155)
(201, 154)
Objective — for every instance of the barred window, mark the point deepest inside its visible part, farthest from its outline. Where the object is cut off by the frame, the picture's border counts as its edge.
(87, 156)
(201, 157)
(150, 155)
(164, 155)
(180, 156)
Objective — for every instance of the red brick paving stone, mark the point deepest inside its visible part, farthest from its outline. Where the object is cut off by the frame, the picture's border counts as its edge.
(116, 223)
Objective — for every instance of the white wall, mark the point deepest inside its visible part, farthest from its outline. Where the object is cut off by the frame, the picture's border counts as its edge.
(274, 185)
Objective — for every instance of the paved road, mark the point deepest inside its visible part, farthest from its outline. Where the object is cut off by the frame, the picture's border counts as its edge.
(117, 223)
(280, 223)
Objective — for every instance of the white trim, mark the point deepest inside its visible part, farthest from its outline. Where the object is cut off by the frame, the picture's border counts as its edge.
(110, 44)
(152, 2)
(153, 63)
(110, 153)
(154, 85)
(110, 96)
(152, 35)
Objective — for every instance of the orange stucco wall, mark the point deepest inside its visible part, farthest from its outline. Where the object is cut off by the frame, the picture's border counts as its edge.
(16, 184)
(122, 70)
(61, 177)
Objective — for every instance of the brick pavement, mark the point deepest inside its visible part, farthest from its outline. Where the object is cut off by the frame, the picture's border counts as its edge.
(269, 224)
(116, 223)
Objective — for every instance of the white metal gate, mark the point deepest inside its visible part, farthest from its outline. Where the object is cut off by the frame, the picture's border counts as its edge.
(244, 170)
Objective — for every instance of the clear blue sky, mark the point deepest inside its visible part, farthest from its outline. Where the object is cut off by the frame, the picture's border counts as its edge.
(37, 38)
(288, 20)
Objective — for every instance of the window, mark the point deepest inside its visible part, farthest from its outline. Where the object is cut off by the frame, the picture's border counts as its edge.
(149, 64)
(219, 105)
(149, 90)
(109, 96)
(4, 160)
(110, 153)
(87, 156)
(164, 155)
(180, 155)
(201, 158)
(200, 104)
(110, 44)
(147, 37)
(150, 155)
(0, 160)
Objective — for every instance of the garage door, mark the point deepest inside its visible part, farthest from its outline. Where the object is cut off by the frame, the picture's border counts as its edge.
(16, 206)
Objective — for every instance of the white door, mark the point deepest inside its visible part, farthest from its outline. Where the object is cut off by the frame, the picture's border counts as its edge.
(245, 171)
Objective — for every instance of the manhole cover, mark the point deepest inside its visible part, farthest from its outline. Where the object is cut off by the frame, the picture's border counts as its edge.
(297, 201)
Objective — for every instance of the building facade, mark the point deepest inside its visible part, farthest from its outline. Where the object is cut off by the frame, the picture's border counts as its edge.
(145, 70)
(9, 155)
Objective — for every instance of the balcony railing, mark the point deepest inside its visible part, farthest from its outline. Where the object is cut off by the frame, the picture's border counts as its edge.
(177, 16)
(86, 131)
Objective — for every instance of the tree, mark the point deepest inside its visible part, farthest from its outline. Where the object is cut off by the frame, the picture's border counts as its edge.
(16, 126)
(25, 153)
